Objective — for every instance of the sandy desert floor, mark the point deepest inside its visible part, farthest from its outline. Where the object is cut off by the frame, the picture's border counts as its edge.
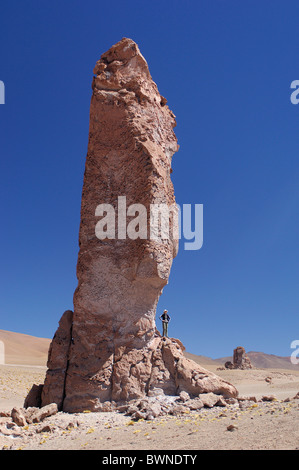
(262, 425)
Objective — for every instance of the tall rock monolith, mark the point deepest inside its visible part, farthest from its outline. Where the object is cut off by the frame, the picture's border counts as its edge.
(114, 352)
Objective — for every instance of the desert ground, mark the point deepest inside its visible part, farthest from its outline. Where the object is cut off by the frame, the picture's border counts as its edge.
(252, 425)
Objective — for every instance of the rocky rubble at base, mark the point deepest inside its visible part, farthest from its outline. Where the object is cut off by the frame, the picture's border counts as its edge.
(28, 428)
(15, 422)
(152, 407)
(22, 416)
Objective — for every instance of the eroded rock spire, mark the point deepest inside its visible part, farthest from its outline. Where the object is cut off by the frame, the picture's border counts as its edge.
(112, 351)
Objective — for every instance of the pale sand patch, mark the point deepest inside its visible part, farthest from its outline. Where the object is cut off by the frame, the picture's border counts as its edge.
(15, 383)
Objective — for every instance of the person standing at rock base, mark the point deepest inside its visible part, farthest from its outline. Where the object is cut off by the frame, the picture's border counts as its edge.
(165, 318)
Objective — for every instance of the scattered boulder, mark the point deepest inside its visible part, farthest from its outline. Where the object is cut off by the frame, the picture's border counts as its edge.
(123, 408)
(36, 415)
(251, 398)
(153, 411)
(195, 404)
(184, 396)
(209, 399)
(232, 427)
(17, 415)
(178, 409)
(145, 409)
(269, 398)
(45, 428)
(221, 401)
(231, 401)
(22, 416)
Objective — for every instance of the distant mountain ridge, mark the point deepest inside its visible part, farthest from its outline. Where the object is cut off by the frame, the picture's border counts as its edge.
(262, 360)
(31, 350)
(259, 360)
(24, 349)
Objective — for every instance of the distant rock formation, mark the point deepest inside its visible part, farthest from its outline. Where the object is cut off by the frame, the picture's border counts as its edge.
(108, 349)
(240, 360)
(228, 365)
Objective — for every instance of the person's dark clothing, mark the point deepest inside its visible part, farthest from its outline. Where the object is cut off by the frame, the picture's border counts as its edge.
(165, 317)
(165, 320)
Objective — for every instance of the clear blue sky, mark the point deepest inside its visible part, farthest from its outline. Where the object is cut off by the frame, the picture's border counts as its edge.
(225, 68)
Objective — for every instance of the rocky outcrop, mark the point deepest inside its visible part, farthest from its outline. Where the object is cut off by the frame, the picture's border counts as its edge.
(165, 369)
(227, 365)
(108, 349)
(34, 396)
(240, 359)
(151, 407)
(159, 369)
(22, 416)
(54, 387)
